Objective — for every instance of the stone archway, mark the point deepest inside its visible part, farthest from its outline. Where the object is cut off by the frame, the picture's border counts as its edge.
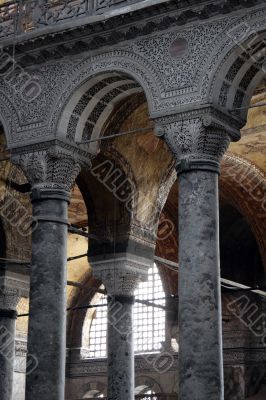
(108, 77)
(238, 65)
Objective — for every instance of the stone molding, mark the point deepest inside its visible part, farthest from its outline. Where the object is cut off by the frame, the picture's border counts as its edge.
(147, 362)
(121, 274)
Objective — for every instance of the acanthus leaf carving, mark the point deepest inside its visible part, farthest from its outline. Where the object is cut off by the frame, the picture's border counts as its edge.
(121, 275)
(195, 139)
(50, 167)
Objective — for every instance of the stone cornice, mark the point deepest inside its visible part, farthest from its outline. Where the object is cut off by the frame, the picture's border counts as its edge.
(145, 362)
(57, 41)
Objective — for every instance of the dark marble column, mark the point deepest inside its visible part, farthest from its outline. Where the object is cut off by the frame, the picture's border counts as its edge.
(121, 382)
(9, 298)
(200, 334)
(51, 174)
(121, 277)
(198, 148)
(47, 323)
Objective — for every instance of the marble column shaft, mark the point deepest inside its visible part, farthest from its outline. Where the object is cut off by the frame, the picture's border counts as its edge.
(200, 332)
(51, 171)
(121, 276)
(47, 322)
(7, 352)
(120, 347)
(198, 142)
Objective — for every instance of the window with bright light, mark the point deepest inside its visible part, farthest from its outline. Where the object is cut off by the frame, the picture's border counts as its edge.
(149, 321)
(98, 331)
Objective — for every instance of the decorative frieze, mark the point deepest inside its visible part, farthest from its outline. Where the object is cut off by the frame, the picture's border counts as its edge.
(145, 362)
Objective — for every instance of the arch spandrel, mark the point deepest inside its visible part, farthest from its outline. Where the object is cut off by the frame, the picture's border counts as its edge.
(9, 119)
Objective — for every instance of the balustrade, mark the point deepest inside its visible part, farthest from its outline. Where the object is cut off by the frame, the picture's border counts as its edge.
(21, 16)
(159, 396)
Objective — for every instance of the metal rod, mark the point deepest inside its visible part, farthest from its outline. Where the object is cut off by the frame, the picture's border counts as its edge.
(77, 257)
(250, 106)
(139, 130)
(261, 290)
(167, 262)
(78, 231)
(75, 284)
(86, 307)
(145, 302)
(150, 304)
(11, 261)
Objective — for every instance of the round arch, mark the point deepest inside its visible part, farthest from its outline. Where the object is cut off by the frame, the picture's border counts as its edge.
(243, 185)
(108, 78)
(238, 65)
(143, 383)
(92, 390)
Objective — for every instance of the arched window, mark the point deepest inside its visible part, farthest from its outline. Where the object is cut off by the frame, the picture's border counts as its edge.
(143, 390)
(149, 321)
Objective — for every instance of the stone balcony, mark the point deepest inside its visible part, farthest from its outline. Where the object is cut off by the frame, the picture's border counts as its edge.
(18, 17)
(61, 27)
(159, 396)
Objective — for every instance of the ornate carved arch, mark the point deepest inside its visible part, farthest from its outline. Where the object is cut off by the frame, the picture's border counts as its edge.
(237, 67)
(243, 186)
(119, 62)
(107, 187)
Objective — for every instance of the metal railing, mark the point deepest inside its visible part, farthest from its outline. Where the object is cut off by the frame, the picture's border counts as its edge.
(21, 16)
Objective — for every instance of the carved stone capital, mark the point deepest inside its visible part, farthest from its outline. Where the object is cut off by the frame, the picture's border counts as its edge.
(51, 165)
(9, 298)
(121, 275)
(197, 141)
(12, 288)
